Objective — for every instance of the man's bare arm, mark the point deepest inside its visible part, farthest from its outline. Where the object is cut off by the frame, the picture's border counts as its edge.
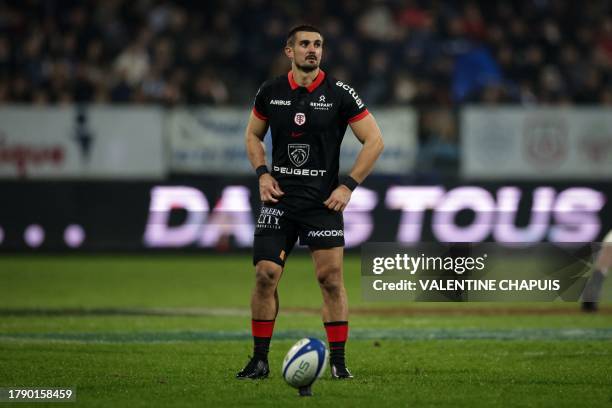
(254, 135)
(368, 133)
(269, 190)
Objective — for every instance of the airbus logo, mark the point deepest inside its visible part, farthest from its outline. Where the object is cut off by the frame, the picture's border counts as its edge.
(280, 102)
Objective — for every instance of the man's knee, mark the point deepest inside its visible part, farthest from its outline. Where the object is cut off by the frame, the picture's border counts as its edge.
(330, 278)
(267, 275)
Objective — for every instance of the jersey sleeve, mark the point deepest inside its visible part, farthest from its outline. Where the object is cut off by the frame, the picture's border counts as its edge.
(352, 107)
(260, 107)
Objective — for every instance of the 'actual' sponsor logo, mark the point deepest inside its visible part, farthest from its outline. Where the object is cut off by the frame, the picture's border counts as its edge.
(351, 92)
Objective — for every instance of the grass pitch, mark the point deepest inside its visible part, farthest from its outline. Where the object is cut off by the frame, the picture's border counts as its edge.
(172, 331)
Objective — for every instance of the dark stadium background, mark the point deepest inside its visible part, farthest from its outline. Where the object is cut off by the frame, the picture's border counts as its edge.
(184, 62)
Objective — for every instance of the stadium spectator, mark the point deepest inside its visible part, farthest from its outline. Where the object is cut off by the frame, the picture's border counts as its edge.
(428, 54)
(122, 51)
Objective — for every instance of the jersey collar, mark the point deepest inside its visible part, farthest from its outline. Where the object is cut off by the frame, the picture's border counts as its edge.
(318, 80)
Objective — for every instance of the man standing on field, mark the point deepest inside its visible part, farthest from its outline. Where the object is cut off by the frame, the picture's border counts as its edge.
(307, 113)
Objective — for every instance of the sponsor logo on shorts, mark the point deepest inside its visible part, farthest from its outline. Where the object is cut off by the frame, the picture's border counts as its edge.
(269, 218)
(298, 153)
(325, 233)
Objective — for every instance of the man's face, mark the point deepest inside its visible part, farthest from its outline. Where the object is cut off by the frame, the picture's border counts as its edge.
(307, 50)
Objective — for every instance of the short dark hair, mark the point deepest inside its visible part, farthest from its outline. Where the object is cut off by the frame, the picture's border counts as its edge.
(303, 27)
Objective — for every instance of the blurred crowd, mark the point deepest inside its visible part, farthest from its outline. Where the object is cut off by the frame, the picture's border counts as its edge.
(422, 53)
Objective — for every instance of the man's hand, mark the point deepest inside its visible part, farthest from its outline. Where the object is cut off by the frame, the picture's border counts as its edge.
(339, 198)
(269, 190)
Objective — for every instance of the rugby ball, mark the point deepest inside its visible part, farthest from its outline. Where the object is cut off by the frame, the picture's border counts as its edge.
(305, 362)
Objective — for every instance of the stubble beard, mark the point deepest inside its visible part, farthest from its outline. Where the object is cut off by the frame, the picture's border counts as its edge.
(307, 67)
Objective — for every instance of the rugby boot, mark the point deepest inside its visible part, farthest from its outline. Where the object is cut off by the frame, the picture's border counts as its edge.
(255, 369)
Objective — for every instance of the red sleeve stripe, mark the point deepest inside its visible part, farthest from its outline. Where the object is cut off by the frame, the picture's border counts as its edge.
(259, 115)
(359, 116)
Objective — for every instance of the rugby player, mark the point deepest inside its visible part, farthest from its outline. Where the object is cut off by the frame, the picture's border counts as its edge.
(302, 197)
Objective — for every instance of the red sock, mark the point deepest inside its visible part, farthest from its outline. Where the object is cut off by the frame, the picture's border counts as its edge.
(337, 334)
(262, 334)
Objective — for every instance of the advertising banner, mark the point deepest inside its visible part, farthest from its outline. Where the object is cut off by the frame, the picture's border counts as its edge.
(208, 140)
(536, 144)
(211, 140)
(399, 129)
(221, 214)
(98, 142)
